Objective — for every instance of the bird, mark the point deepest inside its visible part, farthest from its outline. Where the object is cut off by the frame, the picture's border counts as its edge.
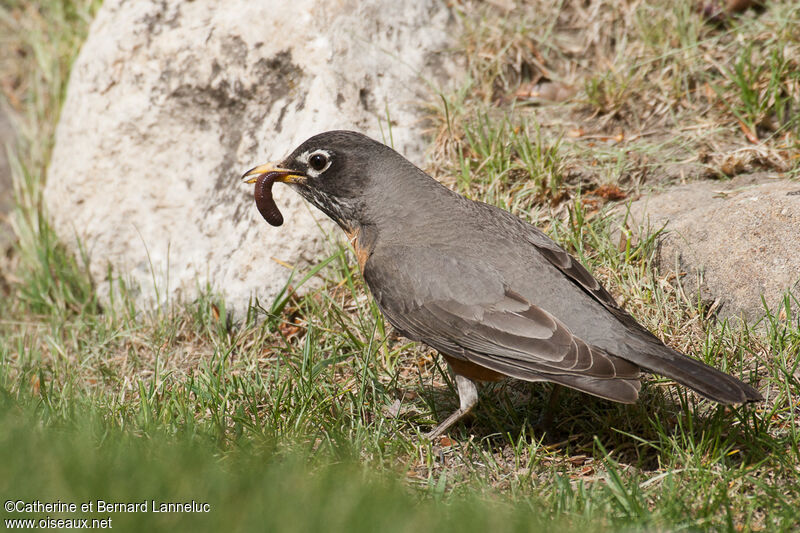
(490, 292)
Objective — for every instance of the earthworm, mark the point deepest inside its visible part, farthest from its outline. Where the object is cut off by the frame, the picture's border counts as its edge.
(264, 202)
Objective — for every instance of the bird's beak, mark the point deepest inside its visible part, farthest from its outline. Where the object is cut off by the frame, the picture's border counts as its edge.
(284, 174)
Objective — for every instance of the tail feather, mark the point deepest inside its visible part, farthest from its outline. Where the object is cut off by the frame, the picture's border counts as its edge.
(703, 379)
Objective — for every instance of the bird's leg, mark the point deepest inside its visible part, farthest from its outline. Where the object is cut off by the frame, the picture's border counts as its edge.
(545, 422)
(468, 396)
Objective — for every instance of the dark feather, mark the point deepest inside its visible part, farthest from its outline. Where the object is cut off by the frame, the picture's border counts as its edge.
(473, 315)
(497, 329)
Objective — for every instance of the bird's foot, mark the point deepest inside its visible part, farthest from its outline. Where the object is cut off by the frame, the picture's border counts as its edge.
(468, 396)
(444, 426)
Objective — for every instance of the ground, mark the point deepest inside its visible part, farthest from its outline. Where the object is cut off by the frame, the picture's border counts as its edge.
(310, 411)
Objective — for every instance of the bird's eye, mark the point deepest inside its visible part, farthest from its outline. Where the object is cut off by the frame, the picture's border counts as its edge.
(317, 161)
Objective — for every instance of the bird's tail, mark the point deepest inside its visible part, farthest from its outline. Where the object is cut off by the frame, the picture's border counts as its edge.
(703, 379)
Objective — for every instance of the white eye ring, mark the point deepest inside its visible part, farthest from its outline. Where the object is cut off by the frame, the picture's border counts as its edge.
(309, 158)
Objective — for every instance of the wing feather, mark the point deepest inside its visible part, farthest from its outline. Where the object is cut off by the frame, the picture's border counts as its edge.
(478, 319)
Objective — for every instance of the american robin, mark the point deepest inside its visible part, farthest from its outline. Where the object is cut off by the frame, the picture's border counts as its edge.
(490, 292)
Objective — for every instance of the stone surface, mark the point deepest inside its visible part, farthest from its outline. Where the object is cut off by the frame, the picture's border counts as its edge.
(736, 241)
(170, 102)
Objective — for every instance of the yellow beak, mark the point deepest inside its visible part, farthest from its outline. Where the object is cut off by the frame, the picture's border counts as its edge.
(284, 174)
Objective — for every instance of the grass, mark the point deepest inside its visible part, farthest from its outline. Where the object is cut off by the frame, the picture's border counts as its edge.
(252, 488)
(308, 413)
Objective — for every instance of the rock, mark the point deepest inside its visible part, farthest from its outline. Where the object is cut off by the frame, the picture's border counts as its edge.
(7, 139)
(170, 102)
(735, 241)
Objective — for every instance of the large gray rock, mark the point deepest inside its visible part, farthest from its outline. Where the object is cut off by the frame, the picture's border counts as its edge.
(171, 101)
(735, 241)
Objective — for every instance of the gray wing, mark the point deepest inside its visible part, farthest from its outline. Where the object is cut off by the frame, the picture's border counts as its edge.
(570, 267)
(464, 309)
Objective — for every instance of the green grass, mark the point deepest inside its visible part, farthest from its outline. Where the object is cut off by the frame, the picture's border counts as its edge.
(766, 89)
(308, 413)
(251, 488)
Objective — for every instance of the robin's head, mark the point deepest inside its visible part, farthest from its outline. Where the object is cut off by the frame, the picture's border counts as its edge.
(345, 174)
